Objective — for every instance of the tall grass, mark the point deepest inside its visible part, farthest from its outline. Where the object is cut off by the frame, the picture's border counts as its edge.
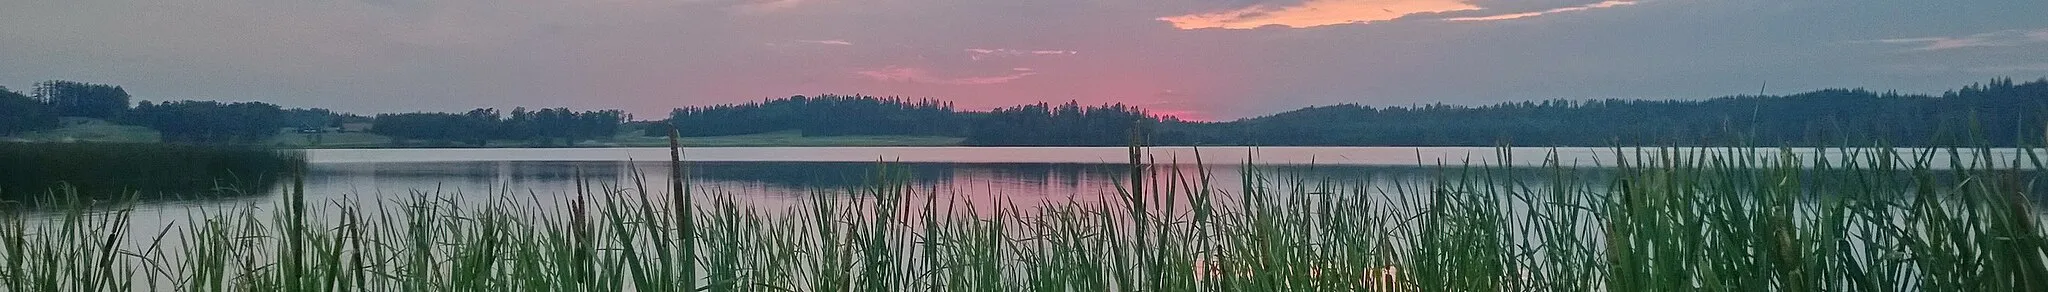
(1663, 220)
(143, 170)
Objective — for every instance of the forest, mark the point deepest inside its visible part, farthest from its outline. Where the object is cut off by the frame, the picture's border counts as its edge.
(1041, 124)
(824, 115)
(2000, 112)
(251, 123)
(544, 127)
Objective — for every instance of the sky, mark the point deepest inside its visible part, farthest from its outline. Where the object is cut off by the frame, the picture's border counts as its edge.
(1197, 59)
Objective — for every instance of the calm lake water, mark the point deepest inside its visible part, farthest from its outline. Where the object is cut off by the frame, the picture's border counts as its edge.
(1019, 175)
(778, 177)
(1022, 175)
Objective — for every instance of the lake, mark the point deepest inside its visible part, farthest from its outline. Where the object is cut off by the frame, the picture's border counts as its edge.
(783, 176)
(777, 178)
(774, 173)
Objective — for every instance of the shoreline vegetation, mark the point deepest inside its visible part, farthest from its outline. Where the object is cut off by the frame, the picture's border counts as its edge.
(634, 140)
(139, 171)
(2002, 109)
(1874, 219)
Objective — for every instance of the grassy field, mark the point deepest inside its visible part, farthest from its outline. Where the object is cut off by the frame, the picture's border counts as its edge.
(90, 130)
(1734, 220)
(331, 140)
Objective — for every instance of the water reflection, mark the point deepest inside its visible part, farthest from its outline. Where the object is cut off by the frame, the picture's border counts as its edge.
(743, 178)
(789, 180)
(772, 185)
(784, 183)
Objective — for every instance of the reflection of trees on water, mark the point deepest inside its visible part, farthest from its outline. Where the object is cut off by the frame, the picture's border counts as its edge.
(792, 175)
(851, 175)
(475, 173)
(1419, 174)
(816, 175)
(794, 178)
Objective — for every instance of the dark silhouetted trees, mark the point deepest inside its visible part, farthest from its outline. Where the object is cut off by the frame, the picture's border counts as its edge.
(834, 115)
(2000, 113)
(825, 115)
(1068, 124)
(20, 113)
(79, 99)
(313, 118)
(439, 128)
(210, 122)
(552, 126)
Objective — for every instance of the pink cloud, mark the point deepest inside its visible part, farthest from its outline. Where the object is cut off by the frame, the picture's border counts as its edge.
(920, 75)
(979, 54)
(1314, 13)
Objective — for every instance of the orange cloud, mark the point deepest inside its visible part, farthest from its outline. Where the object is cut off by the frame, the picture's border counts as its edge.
(1602, 4)
(1315, 13)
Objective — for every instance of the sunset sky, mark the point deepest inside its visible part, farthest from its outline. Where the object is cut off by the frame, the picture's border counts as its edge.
(1201, 59)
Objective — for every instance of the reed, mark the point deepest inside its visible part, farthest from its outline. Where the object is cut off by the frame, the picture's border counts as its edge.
(146, 171)
(1869, 219)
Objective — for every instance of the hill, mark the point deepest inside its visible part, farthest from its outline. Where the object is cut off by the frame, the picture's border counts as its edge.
(2000, 113)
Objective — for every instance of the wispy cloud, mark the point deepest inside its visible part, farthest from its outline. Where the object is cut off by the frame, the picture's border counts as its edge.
(979, 54)
(1314, 13)
(2023, 68)
(2010, 37)
(827, 42)
(920, 75)
(1602, 4)
(766, 6)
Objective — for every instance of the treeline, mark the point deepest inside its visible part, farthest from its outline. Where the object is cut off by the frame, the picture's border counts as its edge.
(545, 127)
(21, 113)
(246, 123)
(1067, 124)
(2001, 112)
(40, 109)
(833, 115)
(1998, 113)
(209, 122)
(189, 122)
(824, 115)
